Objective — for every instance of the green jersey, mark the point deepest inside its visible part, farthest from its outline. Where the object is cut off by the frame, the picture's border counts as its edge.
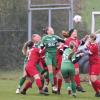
(50, 42)
(67, 67)
(66, 54)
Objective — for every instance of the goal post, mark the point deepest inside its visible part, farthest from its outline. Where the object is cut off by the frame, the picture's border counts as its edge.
(50, 8)
(93, 24)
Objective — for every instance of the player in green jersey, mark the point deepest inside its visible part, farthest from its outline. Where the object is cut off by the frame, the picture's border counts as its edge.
(50, 41)
(68, 70)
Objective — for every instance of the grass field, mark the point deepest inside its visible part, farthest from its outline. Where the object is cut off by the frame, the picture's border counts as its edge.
(8, 85)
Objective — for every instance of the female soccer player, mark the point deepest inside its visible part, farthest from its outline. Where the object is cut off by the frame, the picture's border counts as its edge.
(67, 68)
(32, 72)
(94, 62)
(28, 45)
(49, 41)
(41, 67)
(72, 37)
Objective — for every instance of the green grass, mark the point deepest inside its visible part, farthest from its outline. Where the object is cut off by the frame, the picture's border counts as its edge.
(8, 85)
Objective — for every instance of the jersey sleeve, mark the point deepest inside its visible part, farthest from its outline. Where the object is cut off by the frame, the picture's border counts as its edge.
(42, 44)
(59, 39)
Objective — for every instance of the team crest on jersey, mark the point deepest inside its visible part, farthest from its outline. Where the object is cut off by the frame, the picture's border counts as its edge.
(54, 39)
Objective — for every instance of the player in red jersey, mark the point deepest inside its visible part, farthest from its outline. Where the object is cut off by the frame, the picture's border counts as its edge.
(42, 68)
(72, 37)
(28, 45)
(58, 79)
(94, 64)
(32, 72)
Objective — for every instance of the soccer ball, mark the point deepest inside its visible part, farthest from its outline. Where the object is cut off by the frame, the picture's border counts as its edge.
(77, 19)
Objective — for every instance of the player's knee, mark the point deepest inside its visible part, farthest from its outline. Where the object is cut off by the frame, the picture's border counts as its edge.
(59, 75)
(36, 76)
(50, 69)
(76, 71)
(93, 78)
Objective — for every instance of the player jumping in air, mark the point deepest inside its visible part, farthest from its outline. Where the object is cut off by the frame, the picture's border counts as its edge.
(50, 41)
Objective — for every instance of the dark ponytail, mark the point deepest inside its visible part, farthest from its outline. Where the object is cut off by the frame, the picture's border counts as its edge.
(71, 31)
(44, 30)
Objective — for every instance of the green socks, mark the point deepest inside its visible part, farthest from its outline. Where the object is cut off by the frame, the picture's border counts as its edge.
(67, 85)
(51, 78)
(73, 86)
(21, 81)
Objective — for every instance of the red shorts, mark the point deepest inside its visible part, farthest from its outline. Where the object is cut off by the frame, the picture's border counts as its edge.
(94, 69)
(31, 70)
(76, 65)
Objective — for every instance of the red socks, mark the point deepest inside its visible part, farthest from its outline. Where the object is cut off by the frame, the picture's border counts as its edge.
(59, 84)
(28, 85)
(96, 89)
(55, 81)
(38, 83)
(77, 80)
(97, 84)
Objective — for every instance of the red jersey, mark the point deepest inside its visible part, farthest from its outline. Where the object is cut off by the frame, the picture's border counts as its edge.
(75, 41)
(34, 56)
(94, 57)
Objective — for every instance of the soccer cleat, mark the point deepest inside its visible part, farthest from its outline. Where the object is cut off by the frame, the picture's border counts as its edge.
(74, 95)
(45, 89)
(23, 92)
(17, 90)
(58, 92)
(43, 93)
(80, 89)
(69, 91)
(54, 89)
(97, 94)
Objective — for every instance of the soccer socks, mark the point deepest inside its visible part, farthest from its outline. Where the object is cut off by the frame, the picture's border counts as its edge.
(73, 86)
(28, 84)
(77, 79)
(59, 84)
(96, 89)
(97, 84)
(55, 81)
(67, 85)
(21, 81)
(39, 83)
(51, 78)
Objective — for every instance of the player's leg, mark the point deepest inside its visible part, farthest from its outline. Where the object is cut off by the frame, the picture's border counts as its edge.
(94, 71)
(26, 85)
(45, 75)
(21, 81)
(48, 60)
(95, 84)
(55, 89)
(59, 75)
(73, 84)
(40, 70)
(46, 78)
(65, 75)
(77, 78)
(59, 81)
(23, 78)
